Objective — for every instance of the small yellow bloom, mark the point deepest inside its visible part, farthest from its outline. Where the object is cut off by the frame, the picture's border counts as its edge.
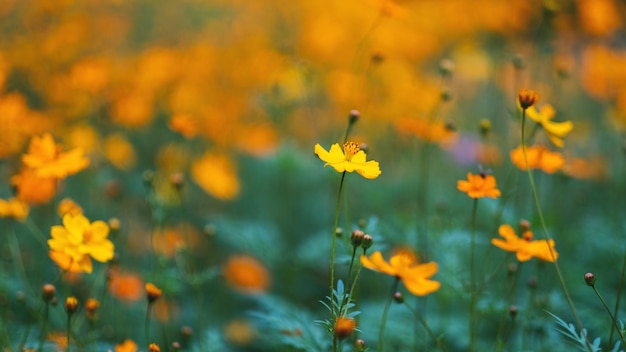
(153, 293)
(479, 186)
(556, 131)
(350, 159)
(47, 159)
(525, 248)
(13, 208)
(74, 244)
(404, 266)
(539, 157)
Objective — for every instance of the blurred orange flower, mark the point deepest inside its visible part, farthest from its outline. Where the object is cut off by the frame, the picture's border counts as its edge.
(46, 158)
(591, 168)
(184, 124)
(33, 189)
(246, 274)
(125, 286)
(13, 208)
(555, 131)
(120, 152)
(74, 244)
(599, 17)
(239, 332)
(127, 346)
(479, 186)
(539, 157)
(525, 248)
(429, 131)
(405, 266)
(68, 206)
(216, 174)
(352, 158)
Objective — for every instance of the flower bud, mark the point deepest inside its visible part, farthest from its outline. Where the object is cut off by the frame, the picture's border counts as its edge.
(446, 67)
(354, 116)
(513, 311)
(176, 346)
(338, 232)
(590, 279)
(398, 297)
(359, 345)
(71, 303)
(153, 293)
(357, 238)
(485, 127)
(527, 98)
(91, 306)
(367, 242)
(48, 291)
(446, 94)
(153, 347)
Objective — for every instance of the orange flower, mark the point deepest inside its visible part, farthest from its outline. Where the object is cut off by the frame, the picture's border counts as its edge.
(525, 248)
(479, 186)
(126, 287)
(216, 174)
(33, 189)
(13, 208)
(405, 267)
(246, 274)
(153, 293)
(344, 327)
(120, 152)
(539, 157)
(127, 346)
(430, 131)
(240, 332)
(46, 158)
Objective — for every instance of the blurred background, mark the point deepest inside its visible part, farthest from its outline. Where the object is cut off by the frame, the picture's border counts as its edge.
(199, 119)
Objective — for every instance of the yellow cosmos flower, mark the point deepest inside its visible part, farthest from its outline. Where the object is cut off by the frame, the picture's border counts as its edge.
(479, 186)
(74, 244)
(525, 248)
(539, 157)
(46, 158)
(404, 266)
(556, 131)
(350, 159)
(13, 208)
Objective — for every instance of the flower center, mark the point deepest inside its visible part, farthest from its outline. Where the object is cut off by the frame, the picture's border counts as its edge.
(405, 257)
(87, 236)
(527, 236)
(350, 149)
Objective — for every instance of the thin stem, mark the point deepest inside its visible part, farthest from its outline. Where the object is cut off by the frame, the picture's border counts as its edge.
(473, 291)
(147, 323)
(426, 327)
(69, 328)
(383, 320)
(42, 333)
(620, 287)
(333, 314)
(545, 231)
(619, 331)
(499, 339)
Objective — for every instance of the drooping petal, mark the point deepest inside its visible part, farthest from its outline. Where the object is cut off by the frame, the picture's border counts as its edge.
(333, 156)
(377, 262)
(420, 286)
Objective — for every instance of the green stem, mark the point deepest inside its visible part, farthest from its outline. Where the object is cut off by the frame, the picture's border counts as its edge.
(473, 291)
(615, 325)
(544, 229)
(426, 327)
(69, 328)
(620, 287)
(333, 243)
(147, 323)
(42, 333)
(383, 321)
(499, 339)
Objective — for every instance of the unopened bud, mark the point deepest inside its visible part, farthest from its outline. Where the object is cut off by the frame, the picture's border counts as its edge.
(446, 67)
(71, 303)
(367, 242)
(590, 279)
(339, 232)
(48, 291)
(524, 225)
(484, 127)
(513, 311)
(357, 238)
(354, 116)
(359, 345)
(398, 297)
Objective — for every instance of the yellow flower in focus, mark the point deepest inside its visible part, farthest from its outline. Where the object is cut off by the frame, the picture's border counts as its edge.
(127, 346)
(539, 157)
(13, 208)
(525, 248)
(479, 186)
(46, 158)
(350, 159)
(404, 266)
(74, 244)
(556, 131)
(216, 174)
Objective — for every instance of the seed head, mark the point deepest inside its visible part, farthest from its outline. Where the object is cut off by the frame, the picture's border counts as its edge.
(590, 279)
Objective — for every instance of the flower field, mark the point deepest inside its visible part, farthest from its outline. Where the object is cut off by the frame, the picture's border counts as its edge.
(373, 175)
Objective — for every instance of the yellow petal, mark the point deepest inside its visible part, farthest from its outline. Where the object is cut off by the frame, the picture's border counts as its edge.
(377, 262)
(420, 286)
(335, 155)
